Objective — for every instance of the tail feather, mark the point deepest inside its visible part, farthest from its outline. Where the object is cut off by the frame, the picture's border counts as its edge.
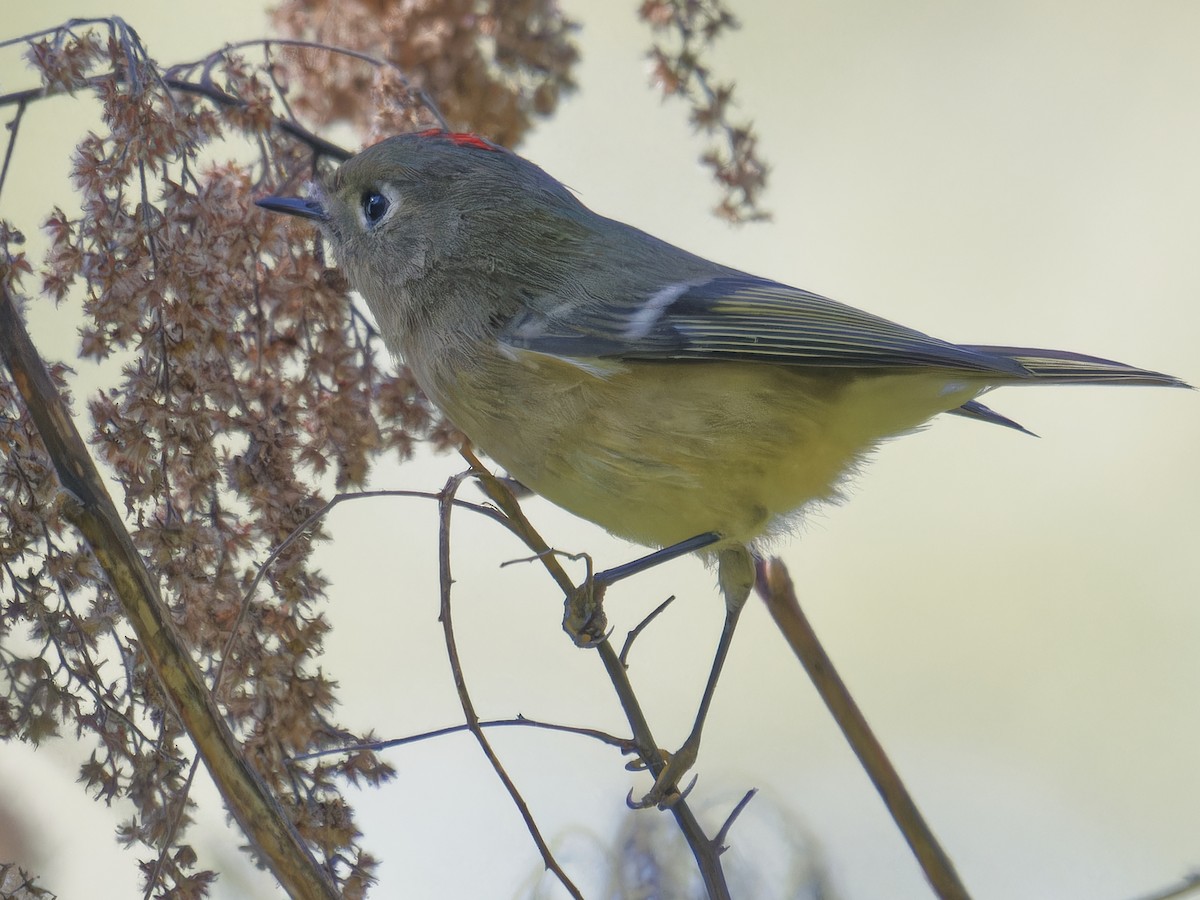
(973, 409)
(1062, 367)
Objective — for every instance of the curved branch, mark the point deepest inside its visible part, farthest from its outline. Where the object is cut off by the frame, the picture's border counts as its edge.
(460, 684)
(267, 43)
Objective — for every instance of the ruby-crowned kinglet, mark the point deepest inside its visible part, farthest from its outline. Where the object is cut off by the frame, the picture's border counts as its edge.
(653, 392)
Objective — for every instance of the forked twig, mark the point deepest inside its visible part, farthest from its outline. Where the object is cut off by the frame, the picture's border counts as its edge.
(446, 507)
(719, 840)
(640, 627)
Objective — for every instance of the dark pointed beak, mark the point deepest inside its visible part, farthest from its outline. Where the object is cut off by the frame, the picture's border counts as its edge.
(294, 206)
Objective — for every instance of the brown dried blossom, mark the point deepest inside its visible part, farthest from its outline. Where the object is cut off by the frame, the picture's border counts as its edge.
(17, 884)
(246, 391)
(491, 66)
(63, 63)
(685, 30)
(243, 386)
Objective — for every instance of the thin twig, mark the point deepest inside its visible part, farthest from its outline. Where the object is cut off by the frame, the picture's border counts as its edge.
(641, 626)
(301, 529)
(169, 838)
(57, 29)
(537, 557)
(130, 43)
(26, 94)
(623, 744)
(13, 127)
(267, 43)
(776, 588)
(719, 840)
(292, 129)
(446, 507)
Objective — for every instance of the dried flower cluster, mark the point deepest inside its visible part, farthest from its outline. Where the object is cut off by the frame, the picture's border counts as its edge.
(492, 65)
(244, 387)
(16, 884)
(684, 30)
(247, 389)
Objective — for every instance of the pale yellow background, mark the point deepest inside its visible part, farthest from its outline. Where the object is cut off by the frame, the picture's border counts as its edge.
(1019, 618)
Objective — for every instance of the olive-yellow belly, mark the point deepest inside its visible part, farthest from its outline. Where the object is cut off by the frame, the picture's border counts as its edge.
(660, 452)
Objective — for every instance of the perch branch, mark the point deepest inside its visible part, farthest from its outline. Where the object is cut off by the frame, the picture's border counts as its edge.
(706, 853)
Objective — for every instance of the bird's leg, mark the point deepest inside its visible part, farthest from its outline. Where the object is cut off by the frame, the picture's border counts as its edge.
(584, 618)
(736, 575)
(650, 560)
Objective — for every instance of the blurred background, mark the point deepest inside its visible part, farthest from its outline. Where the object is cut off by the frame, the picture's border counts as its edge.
(1018, 618)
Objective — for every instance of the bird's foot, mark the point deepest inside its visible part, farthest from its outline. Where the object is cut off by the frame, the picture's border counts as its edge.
(666, 792)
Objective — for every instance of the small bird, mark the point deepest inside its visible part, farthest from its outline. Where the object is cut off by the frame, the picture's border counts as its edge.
(651, 391)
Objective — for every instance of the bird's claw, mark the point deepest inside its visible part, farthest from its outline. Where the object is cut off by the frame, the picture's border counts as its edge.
(665, 792)
(583, 616)
(662, 799)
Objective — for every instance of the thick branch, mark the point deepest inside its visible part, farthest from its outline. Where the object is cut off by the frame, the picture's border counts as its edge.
(777, 590)
(91, 510)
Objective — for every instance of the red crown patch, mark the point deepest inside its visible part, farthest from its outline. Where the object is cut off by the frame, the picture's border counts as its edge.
(463, 139)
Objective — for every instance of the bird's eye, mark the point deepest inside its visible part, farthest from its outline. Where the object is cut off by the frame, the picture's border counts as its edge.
(374, 206)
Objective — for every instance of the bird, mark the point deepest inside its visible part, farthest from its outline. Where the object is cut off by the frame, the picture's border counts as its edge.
(670, 399)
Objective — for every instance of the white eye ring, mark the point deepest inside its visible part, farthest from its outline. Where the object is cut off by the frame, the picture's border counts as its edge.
(377, 205)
